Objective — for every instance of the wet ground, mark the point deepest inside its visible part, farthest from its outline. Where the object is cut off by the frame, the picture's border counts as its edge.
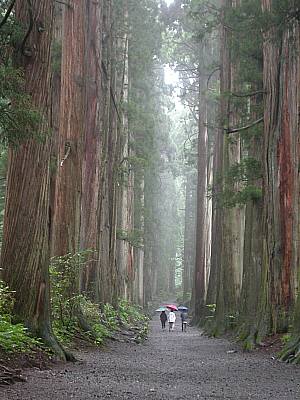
(171, 365)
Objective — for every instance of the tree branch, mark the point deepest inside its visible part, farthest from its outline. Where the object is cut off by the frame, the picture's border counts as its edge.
(30, 11)
(251, 94)
(62, 2)
(7, 14)
(243, 128)
(186, 70)
(211, 74)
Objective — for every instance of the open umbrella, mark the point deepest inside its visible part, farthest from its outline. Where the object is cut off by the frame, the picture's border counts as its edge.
(182, 308)
(160, 309)
(172, 307)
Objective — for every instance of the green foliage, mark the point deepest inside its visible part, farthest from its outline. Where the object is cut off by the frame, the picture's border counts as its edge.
(11, 34)
(211, 308)
(101, 332)
(19, 119)
(100, 329)
(248, 170)
(130, 314)
(239, 185)
(67, 303)
(231, 198)
(6, 299)
(13, 337)
(291, 351)
(134, 237)
(109, 317)
(285, 339)
(128, 164)
(65, 299)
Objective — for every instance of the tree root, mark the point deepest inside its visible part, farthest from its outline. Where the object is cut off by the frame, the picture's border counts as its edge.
(291, 353)
(249, 342)
(247, 336)
(85, 326)
(50, 340)
(9, 376)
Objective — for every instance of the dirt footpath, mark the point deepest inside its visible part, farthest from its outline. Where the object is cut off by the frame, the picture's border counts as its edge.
(172, 365)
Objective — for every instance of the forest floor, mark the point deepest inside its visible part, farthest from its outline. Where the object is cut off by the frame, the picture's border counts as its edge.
(171, 365)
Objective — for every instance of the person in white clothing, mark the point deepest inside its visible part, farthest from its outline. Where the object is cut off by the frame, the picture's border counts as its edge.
(171, 319)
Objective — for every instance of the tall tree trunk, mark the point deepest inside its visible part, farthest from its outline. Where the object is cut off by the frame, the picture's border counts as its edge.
(108, 271)
(252, 281)
(68, 186)
(138, 209)
(125, 173)
(288, 160)
(113, 162)
(55, 109)
(200, 267)
(104, 278)
(67, 213)
(189, 235)
(25, 251)
(231, 261)
(281, 159)
(218, 212)
(149, 262)
(92, 148)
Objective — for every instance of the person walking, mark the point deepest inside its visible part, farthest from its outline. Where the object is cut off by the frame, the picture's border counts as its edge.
(163, 318)
(171, 319)
(184, 317)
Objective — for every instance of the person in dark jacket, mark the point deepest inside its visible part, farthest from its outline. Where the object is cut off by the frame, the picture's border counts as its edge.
(184, 318)
(163, 318)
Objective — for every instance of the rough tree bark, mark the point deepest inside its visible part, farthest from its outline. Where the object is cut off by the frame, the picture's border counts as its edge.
(25, 251)
(104, 278)
(92, 148)
(55, 108)
(125, 259)
(113, 163)
(111, 118)
(139, 227)
(281, 186)
(248, 330)
(68, 186)
(281, 175)
(68, 196)
(189, 235)
(200, 265)
(218, 263)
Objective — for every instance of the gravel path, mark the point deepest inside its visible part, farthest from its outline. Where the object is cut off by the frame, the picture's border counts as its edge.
(172, 365)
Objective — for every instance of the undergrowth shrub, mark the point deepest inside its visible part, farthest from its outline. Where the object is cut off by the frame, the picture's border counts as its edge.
(130, 314)
(13, 337)
(67, 303)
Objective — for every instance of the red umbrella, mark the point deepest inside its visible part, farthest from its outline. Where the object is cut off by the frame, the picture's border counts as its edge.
(171, 307)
